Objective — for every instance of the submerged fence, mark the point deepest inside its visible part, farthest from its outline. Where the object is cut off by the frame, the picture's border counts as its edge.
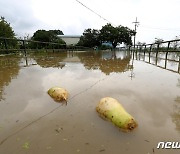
(8, 45)
(172, 45)
(161, 53)
(169, 60)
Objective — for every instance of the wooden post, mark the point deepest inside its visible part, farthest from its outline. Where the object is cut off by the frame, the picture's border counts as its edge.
(150, 47)
(149, 56)
(168, 46)
(140, 52)
(26, 61)
(157, 47)
(166, 59)
(144, 52)
(179, 65)
(156, 57)
(136, 51)
(24, 46)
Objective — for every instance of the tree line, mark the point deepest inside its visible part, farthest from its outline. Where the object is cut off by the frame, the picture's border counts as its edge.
(107, 34)
(90, 38)
(6, 31)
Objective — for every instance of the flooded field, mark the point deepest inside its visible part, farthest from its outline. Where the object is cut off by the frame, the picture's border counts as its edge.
(148, 86)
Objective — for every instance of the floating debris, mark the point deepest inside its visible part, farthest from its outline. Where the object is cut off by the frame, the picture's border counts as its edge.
(110, 109)
(26, 145)
(101, 150)
(58, 94)
(65, 139)
(48, 147)
(146, 140)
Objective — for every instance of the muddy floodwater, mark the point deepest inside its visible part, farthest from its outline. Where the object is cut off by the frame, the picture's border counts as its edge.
(31, 122)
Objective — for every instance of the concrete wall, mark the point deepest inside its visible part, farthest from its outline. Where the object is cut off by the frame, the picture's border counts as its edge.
(70, 40)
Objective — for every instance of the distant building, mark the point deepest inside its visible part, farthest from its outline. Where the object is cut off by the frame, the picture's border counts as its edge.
(70, 39)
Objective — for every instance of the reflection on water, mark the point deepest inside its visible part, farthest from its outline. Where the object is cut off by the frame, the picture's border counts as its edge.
(50, 60)
(176, 113)
(9, 69)
(165, 60)
(30, 115)
(107, 62)
(176, 110)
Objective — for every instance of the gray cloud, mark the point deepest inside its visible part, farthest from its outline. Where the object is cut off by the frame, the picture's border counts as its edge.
(20, 15)
(72, 18)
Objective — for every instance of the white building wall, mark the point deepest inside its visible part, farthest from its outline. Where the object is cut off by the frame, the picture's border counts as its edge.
(70, 40)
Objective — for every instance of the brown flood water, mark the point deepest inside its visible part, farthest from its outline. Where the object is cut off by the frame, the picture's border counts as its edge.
(32, 123)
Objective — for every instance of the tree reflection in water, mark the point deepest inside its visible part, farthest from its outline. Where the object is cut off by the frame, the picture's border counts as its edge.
(50, 60)
(9, 69)
(176, 110)
(106, 62)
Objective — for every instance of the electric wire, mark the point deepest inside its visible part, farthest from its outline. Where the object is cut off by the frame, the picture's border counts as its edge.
(166, 29)
(94, 12)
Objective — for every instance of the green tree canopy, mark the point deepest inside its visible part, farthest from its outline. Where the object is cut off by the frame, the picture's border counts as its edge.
(90, 38)
(108, 33)
(116, 35)
(7, 31)
(47, 36)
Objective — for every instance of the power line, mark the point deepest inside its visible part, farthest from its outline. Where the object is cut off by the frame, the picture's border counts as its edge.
(93, 11)
(167, 29)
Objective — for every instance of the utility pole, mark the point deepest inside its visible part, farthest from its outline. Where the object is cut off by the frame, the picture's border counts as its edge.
(136, 23)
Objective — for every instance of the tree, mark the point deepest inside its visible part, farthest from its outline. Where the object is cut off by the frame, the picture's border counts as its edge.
(47, 36)
(6, 31)
(90, 38)
(141, 43)
(116, 35)
(158, 41)
(176, 44)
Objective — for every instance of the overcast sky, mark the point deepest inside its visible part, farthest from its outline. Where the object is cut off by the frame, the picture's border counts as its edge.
(158, 18)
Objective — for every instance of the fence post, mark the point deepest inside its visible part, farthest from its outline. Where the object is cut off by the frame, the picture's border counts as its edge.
(168, 45)
(156, 57)
(157, 52)
(158, 46)
(149, 56)
(150, 47)
(150, 53)
(166, 59)
(24, 46)
(144, 51)
(179, 65)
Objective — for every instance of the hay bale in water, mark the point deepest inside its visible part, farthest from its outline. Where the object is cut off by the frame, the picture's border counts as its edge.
(58, 94)
(110, 109)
